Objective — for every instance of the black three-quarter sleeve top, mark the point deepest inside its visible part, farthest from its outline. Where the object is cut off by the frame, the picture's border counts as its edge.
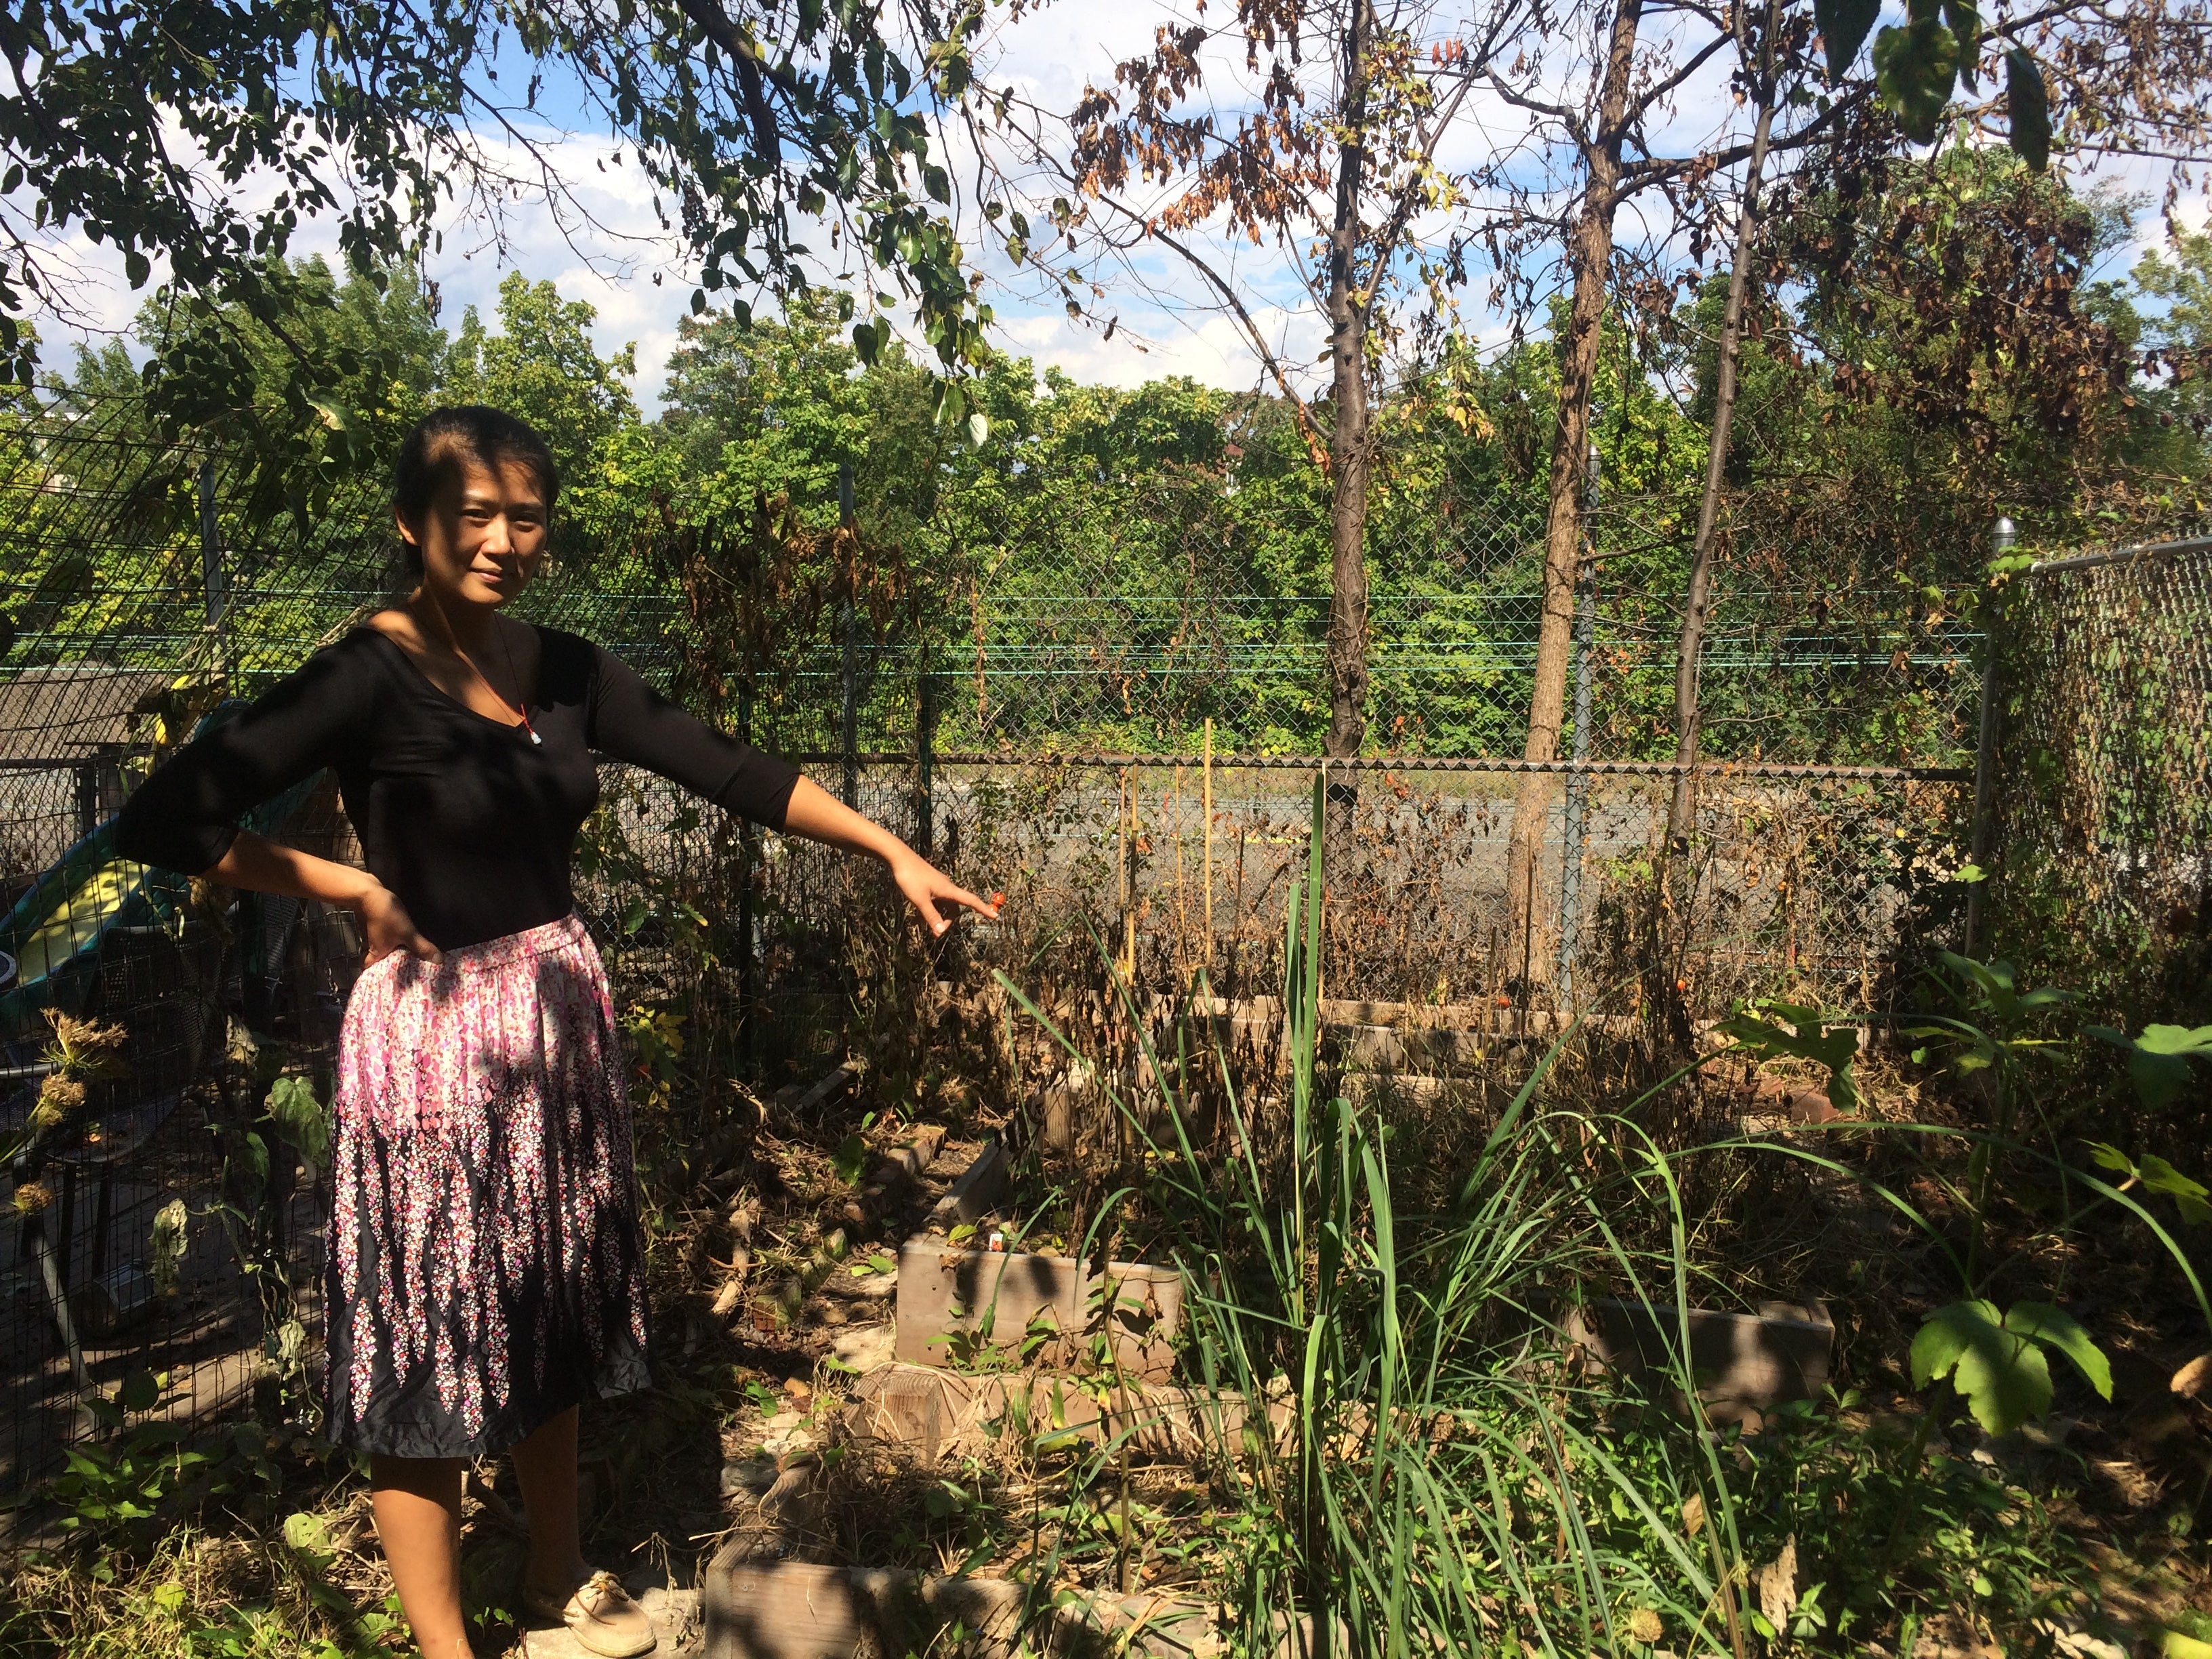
(467, 820)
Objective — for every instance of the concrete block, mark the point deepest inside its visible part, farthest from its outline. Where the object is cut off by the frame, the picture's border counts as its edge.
(1743, 1363)
(945, 1292)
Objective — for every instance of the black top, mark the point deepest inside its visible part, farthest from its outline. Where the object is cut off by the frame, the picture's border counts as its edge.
(465, 819)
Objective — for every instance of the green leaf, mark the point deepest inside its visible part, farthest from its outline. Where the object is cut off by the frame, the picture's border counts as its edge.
(1965, 21)
(1834, 1050)
(2056, 1329)
(2001, 1374)
(1916, 67)
(1843, 25)
(2176, 1040)
(2110, 1157)
(2190, 1197)
(141, 1392)
(2028, 103)
(307, 1534)
(300, 1118)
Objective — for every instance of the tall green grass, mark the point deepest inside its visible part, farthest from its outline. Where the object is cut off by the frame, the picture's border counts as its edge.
(1444, 1481)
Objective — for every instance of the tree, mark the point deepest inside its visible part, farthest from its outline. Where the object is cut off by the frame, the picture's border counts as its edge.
(1763, 70)
(220, 371)
(154, 129)
(542, 367)
(1337, 168)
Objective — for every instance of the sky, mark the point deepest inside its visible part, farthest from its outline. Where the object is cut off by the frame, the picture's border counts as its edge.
(1166, 323)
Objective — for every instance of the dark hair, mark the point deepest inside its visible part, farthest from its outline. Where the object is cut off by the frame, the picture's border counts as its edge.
(446, 440)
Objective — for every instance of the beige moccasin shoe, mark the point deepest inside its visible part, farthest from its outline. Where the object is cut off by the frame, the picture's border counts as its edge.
(601, 1616)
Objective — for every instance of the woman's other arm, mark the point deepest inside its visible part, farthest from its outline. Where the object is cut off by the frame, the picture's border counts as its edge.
(261, 866)
(819, 815)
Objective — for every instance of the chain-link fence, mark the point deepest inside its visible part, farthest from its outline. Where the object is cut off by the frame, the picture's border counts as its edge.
(2099, 822)
(1029, 694)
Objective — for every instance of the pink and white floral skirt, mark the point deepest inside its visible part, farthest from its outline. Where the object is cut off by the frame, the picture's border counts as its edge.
(486, 1271)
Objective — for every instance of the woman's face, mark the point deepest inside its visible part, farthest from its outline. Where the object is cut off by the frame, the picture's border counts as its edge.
(483, 536)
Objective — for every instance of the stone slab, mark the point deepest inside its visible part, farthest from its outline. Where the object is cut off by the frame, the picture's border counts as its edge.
(971, 1196)
(673, 1614)
(758, 1608)
(945, 1294)
(929, 1412)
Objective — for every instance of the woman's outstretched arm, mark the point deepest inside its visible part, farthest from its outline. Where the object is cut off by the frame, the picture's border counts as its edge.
(819, 815)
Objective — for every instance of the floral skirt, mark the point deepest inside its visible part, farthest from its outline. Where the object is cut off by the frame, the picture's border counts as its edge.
(486, 1271)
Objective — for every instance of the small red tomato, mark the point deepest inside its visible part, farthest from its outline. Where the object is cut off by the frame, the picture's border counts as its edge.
(997, 899)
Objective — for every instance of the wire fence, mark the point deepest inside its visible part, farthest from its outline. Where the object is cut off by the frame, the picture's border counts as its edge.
(1114, 719)
(2099, 838)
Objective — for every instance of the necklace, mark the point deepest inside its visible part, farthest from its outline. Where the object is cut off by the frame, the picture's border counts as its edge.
(484, 679)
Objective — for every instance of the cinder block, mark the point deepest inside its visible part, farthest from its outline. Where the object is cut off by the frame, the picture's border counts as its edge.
(945, 1292)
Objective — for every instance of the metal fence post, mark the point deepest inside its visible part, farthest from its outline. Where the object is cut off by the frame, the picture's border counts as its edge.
(2003, 536)
(215, 585)
(748, 863)
(849, 734)
(925, 756)
(1571, 853)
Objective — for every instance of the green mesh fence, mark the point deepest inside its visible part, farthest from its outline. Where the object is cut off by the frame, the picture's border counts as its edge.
(2100, 823)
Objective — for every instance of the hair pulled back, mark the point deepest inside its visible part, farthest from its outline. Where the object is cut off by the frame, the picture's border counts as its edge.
(446, 440)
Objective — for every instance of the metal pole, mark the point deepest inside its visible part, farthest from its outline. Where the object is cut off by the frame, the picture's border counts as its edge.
(748, 862)
(850, 732)
(1571, 854)
(925, 748)
(215, 585)
(1208, 810)
(2003, 536)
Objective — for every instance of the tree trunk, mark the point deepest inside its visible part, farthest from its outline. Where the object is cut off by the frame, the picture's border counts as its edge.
(1689, 656)
(1349, 457)
(1590, 252)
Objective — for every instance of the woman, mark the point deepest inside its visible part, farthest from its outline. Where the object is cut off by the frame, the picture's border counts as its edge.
(485, 1266)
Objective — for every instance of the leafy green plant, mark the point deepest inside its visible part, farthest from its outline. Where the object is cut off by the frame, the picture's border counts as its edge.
(1997, 1361)
(108, 1488)
(2158, 1058)
(1770, 1028)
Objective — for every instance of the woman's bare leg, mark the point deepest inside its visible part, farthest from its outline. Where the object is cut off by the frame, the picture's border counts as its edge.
(417, 1501)
(545, 1465)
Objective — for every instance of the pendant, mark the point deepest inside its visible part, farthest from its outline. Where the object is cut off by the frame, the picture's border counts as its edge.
(536, 742)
